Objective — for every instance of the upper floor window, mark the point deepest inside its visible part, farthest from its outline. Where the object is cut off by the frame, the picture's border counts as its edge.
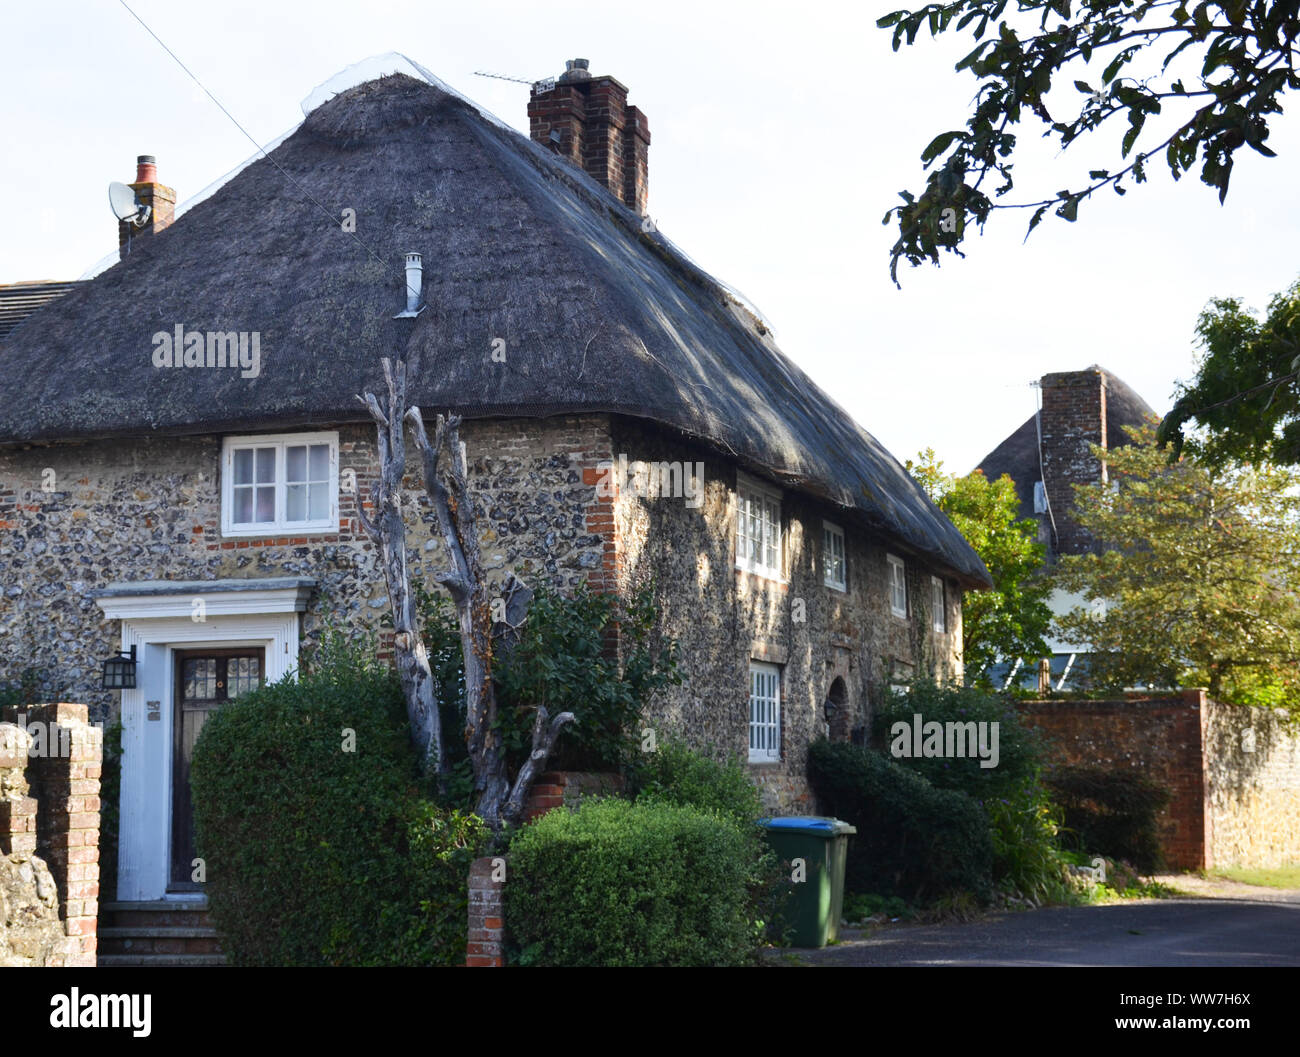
(758, 528)
(897, 586)
(834, 568)
(938, 611)
(283, 482)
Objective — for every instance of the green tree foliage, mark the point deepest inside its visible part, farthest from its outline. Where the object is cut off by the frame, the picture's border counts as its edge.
(1022, 822)
(564, 660)
(1245, 395)
(1200, 583)
(1011, 618)
(1019, 746)
(1208, 73)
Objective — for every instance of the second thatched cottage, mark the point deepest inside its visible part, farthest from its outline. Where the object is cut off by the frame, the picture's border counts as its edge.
(141, 481)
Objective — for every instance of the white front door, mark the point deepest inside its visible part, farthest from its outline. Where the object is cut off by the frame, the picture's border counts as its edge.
(162, 628)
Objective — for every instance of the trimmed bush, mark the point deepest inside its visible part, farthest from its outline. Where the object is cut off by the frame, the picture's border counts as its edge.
(317, 855)
(617, 883)
(914, 841)
(675, 774)
(1111, 812)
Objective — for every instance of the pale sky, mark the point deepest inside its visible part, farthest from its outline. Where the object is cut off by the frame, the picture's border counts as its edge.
(781, 134)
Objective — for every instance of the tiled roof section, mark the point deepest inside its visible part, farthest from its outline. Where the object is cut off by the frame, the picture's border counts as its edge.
(20, 300)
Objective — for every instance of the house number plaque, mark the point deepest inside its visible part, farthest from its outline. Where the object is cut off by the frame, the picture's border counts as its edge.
(154, 709)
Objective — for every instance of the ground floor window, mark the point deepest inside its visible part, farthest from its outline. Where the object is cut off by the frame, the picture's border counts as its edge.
(764, 712)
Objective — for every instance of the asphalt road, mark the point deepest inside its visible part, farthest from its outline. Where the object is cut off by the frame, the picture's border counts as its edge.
(1262, 929)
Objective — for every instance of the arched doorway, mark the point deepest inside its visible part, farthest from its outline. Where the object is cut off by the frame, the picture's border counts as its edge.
(838, 719)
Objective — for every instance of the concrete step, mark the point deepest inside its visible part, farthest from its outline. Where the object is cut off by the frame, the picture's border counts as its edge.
(162, 912)
(165, 931)
(157, 932)
(161, 960)
(159, 940)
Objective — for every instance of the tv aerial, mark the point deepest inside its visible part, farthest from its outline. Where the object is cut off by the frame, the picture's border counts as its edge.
(541, 86)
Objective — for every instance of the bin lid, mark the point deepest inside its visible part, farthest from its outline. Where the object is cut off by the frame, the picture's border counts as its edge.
(815, 825)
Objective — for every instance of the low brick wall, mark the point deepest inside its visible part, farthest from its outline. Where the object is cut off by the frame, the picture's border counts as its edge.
(1228, 805)
(567, 788)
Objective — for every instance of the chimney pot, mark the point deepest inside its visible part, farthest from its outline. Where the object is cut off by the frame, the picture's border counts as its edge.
(146, 169)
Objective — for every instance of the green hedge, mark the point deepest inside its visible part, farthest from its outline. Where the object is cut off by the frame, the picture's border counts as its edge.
(1111, 812)
(914, 841)
(320, 856)
(1019, 747)
(675, 774)
(617, 883)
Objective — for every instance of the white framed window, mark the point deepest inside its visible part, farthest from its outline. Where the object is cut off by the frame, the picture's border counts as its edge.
(834, 564)
(285, 482)
(758, 528)
(897, 586)
(939, 617)
(764, 712)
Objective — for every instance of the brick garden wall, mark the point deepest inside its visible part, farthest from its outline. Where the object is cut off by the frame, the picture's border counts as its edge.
(485, 948)
(1227, 806)
(52, 835)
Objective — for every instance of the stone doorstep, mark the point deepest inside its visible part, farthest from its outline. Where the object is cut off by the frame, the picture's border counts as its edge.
(110, 961)
(151, 914)
(158, 932)
(159, 941)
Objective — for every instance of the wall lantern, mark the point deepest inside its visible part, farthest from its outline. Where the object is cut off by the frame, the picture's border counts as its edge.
(119, 671)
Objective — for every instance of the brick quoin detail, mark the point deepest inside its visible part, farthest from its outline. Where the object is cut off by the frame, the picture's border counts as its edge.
(599, 520)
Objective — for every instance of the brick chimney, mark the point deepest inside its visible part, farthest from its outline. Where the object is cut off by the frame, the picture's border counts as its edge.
(1073, 416)
(587, 120)
(160, 199)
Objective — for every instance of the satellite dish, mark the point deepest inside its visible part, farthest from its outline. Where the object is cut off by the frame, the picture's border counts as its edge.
(125, 205)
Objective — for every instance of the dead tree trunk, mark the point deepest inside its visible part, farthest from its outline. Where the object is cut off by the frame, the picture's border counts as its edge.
(500, 801)
(388, 530)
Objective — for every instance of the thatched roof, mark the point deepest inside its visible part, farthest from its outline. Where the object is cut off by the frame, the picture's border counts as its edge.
(1018, 454)
(597, 314)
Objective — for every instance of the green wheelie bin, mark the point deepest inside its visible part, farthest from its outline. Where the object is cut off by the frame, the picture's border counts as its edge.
(817, 900)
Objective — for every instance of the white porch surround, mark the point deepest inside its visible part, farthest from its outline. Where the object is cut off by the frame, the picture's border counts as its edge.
(158, 617)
